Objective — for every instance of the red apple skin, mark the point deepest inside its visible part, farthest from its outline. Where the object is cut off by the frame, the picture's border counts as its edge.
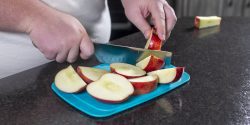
(112, 70)
(155, 43)
(155, 63)
(144, 87)
(85, 79)
(179, 72)
(196, 22)
(110, 101)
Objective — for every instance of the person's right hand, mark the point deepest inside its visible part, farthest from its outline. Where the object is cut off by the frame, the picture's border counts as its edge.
(60, 36)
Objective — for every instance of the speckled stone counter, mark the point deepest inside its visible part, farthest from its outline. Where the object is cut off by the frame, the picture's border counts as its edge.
(218, 60)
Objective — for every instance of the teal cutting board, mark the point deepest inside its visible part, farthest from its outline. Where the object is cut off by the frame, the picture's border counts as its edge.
(89, 105)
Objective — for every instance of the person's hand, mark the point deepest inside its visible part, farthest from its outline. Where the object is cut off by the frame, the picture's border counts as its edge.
(162, 14)
(60, 36)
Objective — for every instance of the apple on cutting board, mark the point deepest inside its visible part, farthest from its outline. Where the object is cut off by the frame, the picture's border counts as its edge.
(144, 84)
(67, 80)
(168, 75)
(111, 88)
(127, 70)
(154, 42)
(89, 74)
(151, 63)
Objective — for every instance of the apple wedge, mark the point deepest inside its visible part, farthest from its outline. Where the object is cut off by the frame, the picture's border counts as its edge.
(144, 84)
(67, 80)
(89, 74)
(127, 70)
(151, 63)
(154, 42)
(168, 75)
(111, 88)
(206, 21)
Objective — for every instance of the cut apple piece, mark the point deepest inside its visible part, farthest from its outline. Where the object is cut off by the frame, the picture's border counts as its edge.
(89, 74)
(151, 63)
(111, 88)
(144, 84)
(206, 21)
(127, 70)
(67, 80)
(168, 75)
(154, 42)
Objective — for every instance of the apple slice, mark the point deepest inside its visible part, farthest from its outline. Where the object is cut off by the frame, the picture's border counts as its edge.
(168, 75)
(127, 70)
(89, 74)
(154, 42)
(206, 21)
(144, 84)
(151, 63)
(111, 88)
(67, 80)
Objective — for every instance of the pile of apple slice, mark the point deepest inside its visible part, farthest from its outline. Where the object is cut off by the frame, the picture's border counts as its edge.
(122, 81)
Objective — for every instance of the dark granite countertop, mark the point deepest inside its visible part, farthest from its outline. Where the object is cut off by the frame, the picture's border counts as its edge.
(218, 60)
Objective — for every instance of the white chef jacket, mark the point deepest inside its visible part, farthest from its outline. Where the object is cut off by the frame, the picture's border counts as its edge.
(93, 14)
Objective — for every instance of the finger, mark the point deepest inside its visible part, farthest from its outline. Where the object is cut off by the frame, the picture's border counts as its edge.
(50, 56)
(73, 54)
(141, 23)
(170, 18)
(62, 55)
(158, 16)
(49, 52)
(86, 47)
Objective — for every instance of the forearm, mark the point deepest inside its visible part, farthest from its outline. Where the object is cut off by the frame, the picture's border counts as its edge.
(17, 15)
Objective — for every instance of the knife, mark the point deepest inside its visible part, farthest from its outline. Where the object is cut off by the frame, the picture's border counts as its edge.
(110, 53)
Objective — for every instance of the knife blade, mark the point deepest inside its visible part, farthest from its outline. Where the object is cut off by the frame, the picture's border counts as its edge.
(110, 53)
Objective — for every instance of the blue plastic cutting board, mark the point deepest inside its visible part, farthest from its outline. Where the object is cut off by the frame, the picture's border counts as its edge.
(87, 104)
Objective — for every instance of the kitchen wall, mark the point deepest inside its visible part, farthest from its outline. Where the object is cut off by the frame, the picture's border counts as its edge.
(212, 7)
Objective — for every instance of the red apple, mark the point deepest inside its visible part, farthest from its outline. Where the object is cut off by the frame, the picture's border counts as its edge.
(151, 63)
(111, 88)
(127, 70)
(67, 80)
(168, 75)
(89, 74)
(144, 84)
(154, 42)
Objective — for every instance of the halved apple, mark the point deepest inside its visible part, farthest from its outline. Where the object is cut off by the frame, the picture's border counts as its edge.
(111, 88)
(144, 84)
(89, 74)
(127, 70)
(154, 42)
(168, 75)
(67, 80)
(151, 63)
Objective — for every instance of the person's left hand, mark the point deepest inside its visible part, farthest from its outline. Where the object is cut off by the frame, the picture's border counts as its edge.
(163, 16)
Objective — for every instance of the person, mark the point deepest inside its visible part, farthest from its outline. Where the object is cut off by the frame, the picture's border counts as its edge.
(64, 29)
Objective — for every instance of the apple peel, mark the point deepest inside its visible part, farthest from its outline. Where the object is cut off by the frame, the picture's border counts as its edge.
(154, 42)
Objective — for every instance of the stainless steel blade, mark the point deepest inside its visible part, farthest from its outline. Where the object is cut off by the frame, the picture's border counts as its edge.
(110, 53)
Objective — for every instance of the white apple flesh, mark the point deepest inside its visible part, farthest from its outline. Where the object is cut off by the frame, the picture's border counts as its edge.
(67, 80)
(168, 75)
(89, 74)
(144, 84)
(127, 70)
(111, 88)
